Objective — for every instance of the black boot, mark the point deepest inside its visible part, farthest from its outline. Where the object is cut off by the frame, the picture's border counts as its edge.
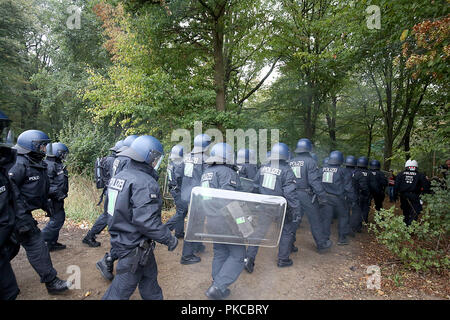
(90, 241)
(215, 293)
(285, 263)
(55, 246)
(249, 264)
(57, 286)
(190, 260)
(325, 246)
(342, 241)
(106, 267)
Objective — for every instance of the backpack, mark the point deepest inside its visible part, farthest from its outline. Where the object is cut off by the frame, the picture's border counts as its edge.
(101, 172)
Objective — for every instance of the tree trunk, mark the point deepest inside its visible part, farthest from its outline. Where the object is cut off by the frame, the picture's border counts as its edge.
(331, 121)
(219, 64)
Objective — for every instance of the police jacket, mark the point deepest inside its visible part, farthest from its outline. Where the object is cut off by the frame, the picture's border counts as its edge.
(119, 163)
(134, 204)
(349, 174)
(108, 164)
(336, 182)
(411, 182)
(307, 174)
(58, 178)
(247, 170)
(221, 176)
(32, 182)
(361, 182)
(175, 173)
(7, 199)
(277, 179)
(194, 164)
(377, 181)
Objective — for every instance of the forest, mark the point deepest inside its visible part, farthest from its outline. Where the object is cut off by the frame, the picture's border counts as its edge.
(363, 77)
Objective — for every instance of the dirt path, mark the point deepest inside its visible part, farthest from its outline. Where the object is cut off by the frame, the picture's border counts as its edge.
(337, 274)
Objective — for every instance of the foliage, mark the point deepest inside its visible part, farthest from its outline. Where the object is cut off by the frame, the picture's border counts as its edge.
(424, 244)
(86, 142)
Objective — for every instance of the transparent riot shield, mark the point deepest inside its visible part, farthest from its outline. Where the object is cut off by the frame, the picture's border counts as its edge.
(232, 217)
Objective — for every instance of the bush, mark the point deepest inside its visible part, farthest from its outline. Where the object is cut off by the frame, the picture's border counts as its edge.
(424, 244)
(86, 142)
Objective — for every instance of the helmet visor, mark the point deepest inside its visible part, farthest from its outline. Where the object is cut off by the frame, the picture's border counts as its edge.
(156, 159)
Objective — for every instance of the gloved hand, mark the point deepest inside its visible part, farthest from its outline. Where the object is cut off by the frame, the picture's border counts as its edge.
(172, 244)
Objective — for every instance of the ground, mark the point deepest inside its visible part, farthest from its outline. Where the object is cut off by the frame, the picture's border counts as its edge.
(340, 273)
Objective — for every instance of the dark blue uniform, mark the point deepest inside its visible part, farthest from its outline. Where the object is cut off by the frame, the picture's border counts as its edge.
(276, 178)
(134, 203)
(59, 187)
(338, 187)
(377, 183)
(362, 191)
(309, 189)
(352, 200)
(247, 170)
(8, 284)
(118, 164)
(194, 165)
(32, 183)
(228, 261)
(409, 185)
(175, 172)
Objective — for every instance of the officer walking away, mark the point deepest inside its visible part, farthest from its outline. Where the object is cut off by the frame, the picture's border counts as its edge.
(409, 185)
(310, 191)
(134, 203)
(8, 246)
(246, 168)
(352, 201)
(29, 175)
(361, 178)
(118, 164)
(228, 260)
(276, 178)
(175, 170)
(377, 183)
(103, 169)
(59, 187)
(338, 187)
(194, 165)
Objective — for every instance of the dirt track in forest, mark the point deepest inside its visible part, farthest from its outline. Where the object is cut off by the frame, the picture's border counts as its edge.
(337, 274)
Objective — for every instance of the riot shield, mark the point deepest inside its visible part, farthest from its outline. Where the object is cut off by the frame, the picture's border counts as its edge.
(232, 217)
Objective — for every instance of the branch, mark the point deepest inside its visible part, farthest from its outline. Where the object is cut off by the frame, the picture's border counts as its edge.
(258, 85)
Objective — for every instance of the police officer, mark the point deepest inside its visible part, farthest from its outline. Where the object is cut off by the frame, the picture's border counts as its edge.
(377, 183)
(59, 187)
(118, 164)
(134, 203)
(276, 178)
(310, 191)
(338, 186)
(228, 260)
(246, 168)
(325, 161)
(362, 190)
(409, 185)
(29, 174)
(194, 165)
(352, 201)
(8, 247)
(175, 170)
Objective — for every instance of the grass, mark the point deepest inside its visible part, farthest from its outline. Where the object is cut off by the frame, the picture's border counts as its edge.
(81, 203)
